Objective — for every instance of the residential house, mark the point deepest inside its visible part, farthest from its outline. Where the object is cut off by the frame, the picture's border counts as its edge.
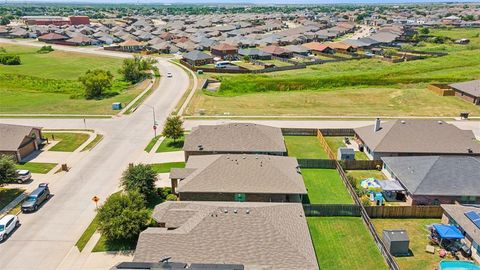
(131, 45)
(436, 179)
(239, 177)
(19, 141)
(318, 48)
(224, 51)
(415, 137)
(277, 51)
(467, 219)
(234, 138)
(342, 47)
(469, 90)
(254, 53)
(52, 37)
(255, 235)
(197, 58)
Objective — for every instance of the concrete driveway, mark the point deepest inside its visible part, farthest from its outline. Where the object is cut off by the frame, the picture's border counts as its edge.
(45, 237)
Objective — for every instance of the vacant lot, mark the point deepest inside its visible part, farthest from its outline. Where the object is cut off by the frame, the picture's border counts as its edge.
(417, 232)
(324, 186)
(47, 83)
(367, 87)
(304, 147)
(344, 243)
(68, 142)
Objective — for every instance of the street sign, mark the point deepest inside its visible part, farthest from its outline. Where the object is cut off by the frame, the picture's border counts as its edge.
(154, 127)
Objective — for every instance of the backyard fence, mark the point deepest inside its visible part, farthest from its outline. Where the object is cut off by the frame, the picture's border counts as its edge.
(337, 132)
(329, 210)
(413, 211)
(317, 163)
(299, 131)
(361, 164)
(325, 146)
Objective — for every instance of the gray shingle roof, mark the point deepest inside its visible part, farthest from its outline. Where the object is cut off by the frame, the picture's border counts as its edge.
(419, 136)
(235, 137)
(457, 212)
(12, 136)
(244, 174)
(470, 87)
(197, 55)
(269, 236)
(437, 175)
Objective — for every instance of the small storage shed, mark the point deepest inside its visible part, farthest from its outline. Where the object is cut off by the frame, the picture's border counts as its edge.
(396, 242)
(344, 153)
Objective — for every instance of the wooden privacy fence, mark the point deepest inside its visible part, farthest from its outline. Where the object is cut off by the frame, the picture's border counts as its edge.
(325, 146)
(329, 210)
(299, 131)
(413, 211)
(361, 164)
(317, 163)
(347, 132)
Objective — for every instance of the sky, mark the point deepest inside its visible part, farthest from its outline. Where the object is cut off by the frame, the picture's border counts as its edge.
(238, 1)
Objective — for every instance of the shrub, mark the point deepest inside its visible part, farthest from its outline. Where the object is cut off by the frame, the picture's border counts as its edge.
(133, 69)
(123, 216)
(365, 201)
(7, 169)
(163, 192)
(10, 60)
(45, 49)
(171, 197)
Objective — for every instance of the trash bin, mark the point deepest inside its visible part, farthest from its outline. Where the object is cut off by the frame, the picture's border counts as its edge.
(116, 106)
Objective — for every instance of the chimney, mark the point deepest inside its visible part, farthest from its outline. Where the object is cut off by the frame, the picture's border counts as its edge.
(377, 126)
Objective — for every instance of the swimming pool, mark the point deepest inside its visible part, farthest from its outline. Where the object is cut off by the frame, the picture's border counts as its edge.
(458, 265)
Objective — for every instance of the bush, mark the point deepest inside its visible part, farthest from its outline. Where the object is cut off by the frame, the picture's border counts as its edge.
(365, 201)
(140, 177)
(95, 82)
(123, 216)
(45, 49)
(133, 69)
(163, 192)
(171, 197)
(7, 169)
(10, 60)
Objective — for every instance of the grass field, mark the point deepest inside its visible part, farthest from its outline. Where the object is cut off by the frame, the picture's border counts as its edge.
(168, 145)
(36, 167)
(304, 147)
(417, 232)
(165, 167)
(359, 175)
(8, 194)
(367, 87)
(68, 142)
(336, 142)
(324, 186)
(344, 243)
(47, 83)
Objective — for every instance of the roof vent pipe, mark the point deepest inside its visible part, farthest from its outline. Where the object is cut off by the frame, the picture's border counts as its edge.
(377, 125)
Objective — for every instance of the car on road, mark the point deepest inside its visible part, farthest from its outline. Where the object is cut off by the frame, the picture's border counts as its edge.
(36, 198)
(169, 75)
(23, 175)
(8, 224)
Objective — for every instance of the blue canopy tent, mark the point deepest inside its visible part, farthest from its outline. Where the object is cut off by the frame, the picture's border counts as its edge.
(448, 231)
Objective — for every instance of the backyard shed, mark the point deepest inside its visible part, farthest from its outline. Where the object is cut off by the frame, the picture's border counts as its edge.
(345, 153)
(396, 242)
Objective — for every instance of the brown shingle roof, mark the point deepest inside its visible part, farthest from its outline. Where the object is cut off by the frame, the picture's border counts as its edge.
(419, 136)
(470, 87)
(12, 136)
(258, 235)
(235, 137)
(244, 174)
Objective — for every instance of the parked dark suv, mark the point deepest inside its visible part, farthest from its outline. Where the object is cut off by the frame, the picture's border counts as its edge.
(36, 198)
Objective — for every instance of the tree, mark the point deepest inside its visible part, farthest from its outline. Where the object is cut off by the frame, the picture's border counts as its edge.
(4, 21)
(96, 82)
(7, 169)
(133, 69)
(173, 128)
(424, 31)
(140, 177)
(123, 216)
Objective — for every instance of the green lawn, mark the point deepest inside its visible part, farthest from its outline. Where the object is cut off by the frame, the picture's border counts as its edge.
(87, 234)
(152, 142)
(367, 87)
(168, 145)
(305, 147)
(336, 142)
(68, 142)
(165, 167)
(344, 243)
(47, 83)
(36, 167)
(417, 232)
(325, 186)
(359, 175)
(8, 194)
(93, 143)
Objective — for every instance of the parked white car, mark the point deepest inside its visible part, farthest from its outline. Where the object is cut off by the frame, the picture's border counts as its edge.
(8, 224)
(23, 175)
